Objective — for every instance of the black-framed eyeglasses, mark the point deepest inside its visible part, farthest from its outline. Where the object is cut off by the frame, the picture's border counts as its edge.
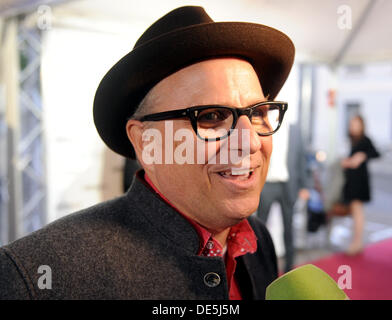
(216, 122)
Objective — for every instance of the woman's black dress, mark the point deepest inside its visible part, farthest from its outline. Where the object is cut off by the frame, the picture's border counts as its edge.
(357, 185)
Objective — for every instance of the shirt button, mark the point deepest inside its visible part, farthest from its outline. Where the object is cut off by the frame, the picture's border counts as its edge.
(212, 279)
(210, 245)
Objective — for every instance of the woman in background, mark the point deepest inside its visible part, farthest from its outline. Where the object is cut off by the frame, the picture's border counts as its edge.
(356, 189)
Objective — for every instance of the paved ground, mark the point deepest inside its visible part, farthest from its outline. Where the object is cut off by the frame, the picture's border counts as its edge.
(378, 214)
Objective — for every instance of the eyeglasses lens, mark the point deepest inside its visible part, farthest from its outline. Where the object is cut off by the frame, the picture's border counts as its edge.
(213, 123)
(265, 119)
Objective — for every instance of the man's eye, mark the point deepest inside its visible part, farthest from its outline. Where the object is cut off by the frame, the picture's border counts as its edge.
(212, 116)
(258, 114)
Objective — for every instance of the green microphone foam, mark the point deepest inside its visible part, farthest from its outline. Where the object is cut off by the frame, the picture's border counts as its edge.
(305, 283)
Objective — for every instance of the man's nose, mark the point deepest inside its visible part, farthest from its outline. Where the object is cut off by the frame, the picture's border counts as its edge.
(247, 136)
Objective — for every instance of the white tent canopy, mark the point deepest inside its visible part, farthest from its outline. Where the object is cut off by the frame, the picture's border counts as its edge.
(320, 29)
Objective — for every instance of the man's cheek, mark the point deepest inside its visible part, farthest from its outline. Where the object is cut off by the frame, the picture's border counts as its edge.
(266, 148)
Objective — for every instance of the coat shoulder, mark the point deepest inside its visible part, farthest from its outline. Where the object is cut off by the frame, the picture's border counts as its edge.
(88, 224)
(61, 245)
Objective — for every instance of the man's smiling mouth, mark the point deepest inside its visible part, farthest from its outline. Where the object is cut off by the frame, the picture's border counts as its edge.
(237, 174)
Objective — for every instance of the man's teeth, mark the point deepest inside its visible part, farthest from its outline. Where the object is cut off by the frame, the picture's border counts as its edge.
(241, 172)
(245, 173)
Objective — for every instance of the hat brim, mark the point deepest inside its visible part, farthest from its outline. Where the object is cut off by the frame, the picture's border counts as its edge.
(120, 91)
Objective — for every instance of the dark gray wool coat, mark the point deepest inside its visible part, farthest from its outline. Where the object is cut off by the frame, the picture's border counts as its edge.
(132, 247)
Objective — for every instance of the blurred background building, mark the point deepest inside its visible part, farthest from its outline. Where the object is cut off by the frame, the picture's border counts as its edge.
(54, 53)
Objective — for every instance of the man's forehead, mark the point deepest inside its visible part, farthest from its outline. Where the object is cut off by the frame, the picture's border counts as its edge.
(207, 82)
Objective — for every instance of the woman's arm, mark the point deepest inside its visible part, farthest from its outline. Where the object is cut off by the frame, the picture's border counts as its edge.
(354, 161)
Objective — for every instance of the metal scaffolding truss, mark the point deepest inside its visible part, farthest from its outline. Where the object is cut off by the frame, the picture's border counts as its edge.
(3, 171)
(23, 191)
(30, 148)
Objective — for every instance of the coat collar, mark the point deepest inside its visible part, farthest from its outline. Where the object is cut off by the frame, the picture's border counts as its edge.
(166, 219)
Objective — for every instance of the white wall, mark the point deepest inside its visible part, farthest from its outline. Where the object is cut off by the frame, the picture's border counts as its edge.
(73, 62)
(326, 118)
(290, 94)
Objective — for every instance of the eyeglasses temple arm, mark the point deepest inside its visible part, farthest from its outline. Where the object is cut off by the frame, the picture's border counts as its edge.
(164, 115)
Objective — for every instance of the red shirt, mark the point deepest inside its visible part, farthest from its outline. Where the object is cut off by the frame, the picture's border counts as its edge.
(241, 240)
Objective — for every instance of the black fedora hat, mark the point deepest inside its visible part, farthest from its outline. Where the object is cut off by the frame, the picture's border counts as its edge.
(183, 37)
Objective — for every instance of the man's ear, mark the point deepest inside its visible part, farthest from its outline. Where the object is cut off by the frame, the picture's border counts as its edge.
(134, 130)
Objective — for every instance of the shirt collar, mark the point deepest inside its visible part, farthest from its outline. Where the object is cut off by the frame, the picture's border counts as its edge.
(241, 239)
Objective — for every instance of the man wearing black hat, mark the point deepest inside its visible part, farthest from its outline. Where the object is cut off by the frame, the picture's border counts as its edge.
(183, 230)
